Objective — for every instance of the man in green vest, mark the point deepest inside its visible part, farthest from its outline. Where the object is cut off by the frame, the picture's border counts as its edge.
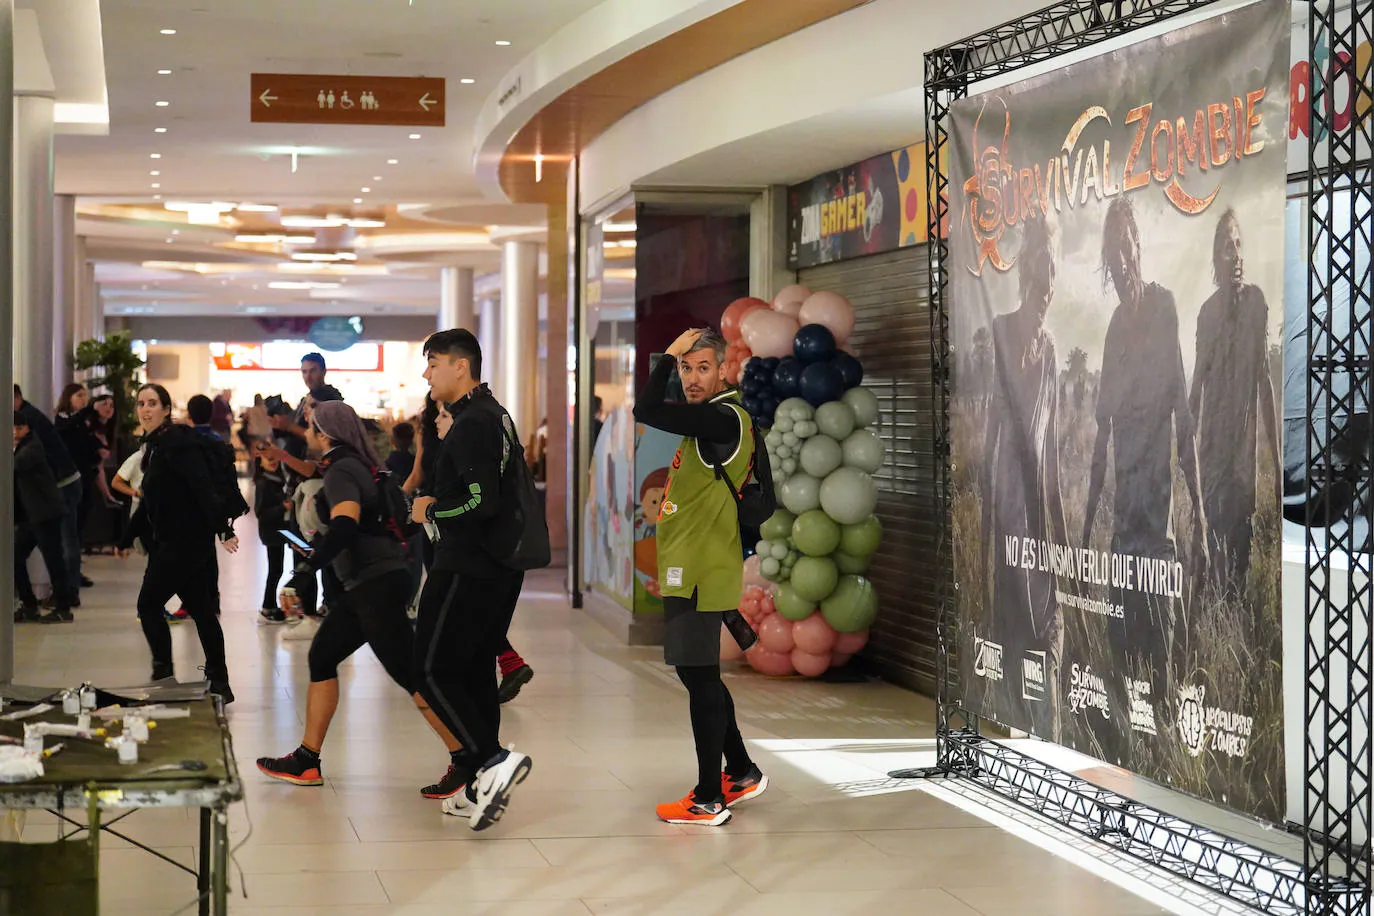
(700, 563)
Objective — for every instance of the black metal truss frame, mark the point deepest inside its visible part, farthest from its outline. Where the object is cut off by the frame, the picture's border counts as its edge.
(1338, 757)
(1335, 876)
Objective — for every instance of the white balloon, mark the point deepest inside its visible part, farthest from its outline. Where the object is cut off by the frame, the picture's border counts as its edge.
(831, 310)
(790, 298)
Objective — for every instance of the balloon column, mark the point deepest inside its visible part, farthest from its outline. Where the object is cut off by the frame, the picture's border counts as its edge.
(796, 348)
(823, 450)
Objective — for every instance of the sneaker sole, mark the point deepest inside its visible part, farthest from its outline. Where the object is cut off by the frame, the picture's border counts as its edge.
(440, 796)
(495, 809)
(517, 680)
(718, 821)
(755, 792)
(293, 780)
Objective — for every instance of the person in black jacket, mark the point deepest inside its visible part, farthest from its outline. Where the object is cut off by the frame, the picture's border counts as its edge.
(68, 487)
(38, 523)
(184, 515)
(371, 565)
(72, 421)
(270, 505)
(468, 602)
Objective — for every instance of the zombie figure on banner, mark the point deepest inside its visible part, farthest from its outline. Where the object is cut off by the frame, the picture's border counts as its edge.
(1142, 405)
(1021, 492)
(1232, 393)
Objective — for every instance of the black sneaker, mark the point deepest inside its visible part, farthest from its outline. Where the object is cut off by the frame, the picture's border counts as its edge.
(270, 615)
(221, 690)
(26, 613)
(511, 683)
(57, 616)
(162, 671)
(453, 782)
(292, 769)
(86, 582)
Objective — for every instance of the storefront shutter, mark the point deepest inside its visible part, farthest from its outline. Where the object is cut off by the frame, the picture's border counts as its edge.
(890, 294)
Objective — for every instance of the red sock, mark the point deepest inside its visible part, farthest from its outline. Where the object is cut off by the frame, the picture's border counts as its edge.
(510, 661)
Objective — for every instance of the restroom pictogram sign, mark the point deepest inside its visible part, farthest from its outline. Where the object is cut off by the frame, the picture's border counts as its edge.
(396, 101)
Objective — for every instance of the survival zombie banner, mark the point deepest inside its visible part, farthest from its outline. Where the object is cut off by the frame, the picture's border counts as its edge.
(1116, 310)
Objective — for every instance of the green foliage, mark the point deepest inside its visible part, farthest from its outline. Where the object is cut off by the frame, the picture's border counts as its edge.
(115, 368)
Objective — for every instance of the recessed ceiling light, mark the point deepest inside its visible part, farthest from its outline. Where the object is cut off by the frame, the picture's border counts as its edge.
(174, 31)
(176, 232)
(157, 197)
(154, 155)
(164, 73)
(414, 136)
(467, 81)
(311, 222)
(376, 177)
(267, 237)
(170, 240)
(256, 208)
(357, 200)
(365, 223)
(392, 161)
(155, 173)
(503, 44)
(159, 130)
(156, 185)
(162, 104)
(366, 190)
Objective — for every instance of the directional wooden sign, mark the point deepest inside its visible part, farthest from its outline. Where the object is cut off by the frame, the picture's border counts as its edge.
(295, 98)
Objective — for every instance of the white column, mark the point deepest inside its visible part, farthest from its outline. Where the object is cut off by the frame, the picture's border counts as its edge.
(69, 262)
(457, 308)
(517, 367)
(94, 309)
(33, 248)
(6, 355)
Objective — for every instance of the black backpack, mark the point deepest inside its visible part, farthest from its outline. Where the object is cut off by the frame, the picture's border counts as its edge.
(393, 509)
(519, 536)
(756, 500)
(224, 475)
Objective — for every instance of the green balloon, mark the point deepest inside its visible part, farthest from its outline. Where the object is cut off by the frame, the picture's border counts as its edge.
(815, 534)
(789, 408)
(790, 560)
(782, 424)
(764, 549)
(835, 419)
(814, 578)
(821, 455)
(778, 527)
(863, 449)
(770, 568)
(849, 496)
(789, 467)
(861, 538)
(800, 493)
(791, 605)
(805, 429)
(773, 439)
(779, 550)
(850, 565)
(852, 606)
(864, 403)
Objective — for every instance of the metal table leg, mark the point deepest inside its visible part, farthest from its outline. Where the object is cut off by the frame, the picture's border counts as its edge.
(203, 872)
(220, 874)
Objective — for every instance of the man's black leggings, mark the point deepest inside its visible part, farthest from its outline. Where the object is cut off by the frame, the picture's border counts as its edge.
(371, 613)
(714, 729)
(461, 626)
(186, 569)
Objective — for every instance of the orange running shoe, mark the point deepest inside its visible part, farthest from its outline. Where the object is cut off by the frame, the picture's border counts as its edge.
(292, 769)
(751, 785)
(687, 811)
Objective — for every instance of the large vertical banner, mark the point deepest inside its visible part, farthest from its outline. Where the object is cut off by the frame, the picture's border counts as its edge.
(1116, 274)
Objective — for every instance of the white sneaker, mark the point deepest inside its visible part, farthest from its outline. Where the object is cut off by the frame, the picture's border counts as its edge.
(460, 805)
(494, 785)
(305, 629)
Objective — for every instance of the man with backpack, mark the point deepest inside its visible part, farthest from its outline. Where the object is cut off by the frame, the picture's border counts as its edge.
(488, 537)
(700, 561)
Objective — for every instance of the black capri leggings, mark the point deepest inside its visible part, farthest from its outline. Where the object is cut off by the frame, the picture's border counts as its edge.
(371, 613)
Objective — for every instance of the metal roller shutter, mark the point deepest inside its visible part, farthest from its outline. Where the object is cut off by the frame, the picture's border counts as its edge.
(891, 298)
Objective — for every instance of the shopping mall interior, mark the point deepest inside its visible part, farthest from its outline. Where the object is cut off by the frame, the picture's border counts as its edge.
(1048, 322)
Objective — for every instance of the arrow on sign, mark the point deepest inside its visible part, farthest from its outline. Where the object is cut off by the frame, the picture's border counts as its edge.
(266, 99)
(426, 101)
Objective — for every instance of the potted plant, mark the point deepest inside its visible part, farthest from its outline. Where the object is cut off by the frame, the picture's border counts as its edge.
(114, 367)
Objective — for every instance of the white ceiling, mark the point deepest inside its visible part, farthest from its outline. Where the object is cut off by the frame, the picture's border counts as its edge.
(212, 151)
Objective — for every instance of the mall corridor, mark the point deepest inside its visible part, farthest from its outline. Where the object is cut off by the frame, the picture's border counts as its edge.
(607, 728)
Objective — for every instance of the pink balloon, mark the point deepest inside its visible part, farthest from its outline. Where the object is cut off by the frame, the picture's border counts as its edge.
(773, 664)
(839, 659)
(752, 576)
(814, 635)
(749, 606)
(850, 643)
(790, 298)
(766, 604)
(769, 333)
(831, 310)
(754, 592)
(729, 649)
(775, 634)
(809, 665)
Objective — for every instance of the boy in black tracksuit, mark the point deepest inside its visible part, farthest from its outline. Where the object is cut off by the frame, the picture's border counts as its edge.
(470, 596)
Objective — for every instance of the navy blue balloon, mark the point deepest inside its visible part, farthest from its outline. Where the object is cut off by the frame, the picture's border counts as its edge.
(750, 405)
(814, 343)
(821, 383)
(851, 370)
(786, 377)
(770, 363)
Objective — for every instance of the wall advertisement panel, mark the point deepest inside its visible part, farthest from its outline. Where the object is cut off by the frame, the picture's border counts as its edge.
(1117, 238)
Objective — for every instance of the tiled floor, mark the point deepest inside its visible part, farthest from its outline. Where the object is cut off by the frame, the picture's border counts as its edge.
(607, 728)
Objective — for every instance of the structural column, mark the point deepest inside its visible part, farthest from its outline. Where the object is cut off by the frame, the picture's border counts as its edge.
(33, 248)
(489, 336)
(6, 354)
(457, 307)
(517, 369)
(69, 262)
